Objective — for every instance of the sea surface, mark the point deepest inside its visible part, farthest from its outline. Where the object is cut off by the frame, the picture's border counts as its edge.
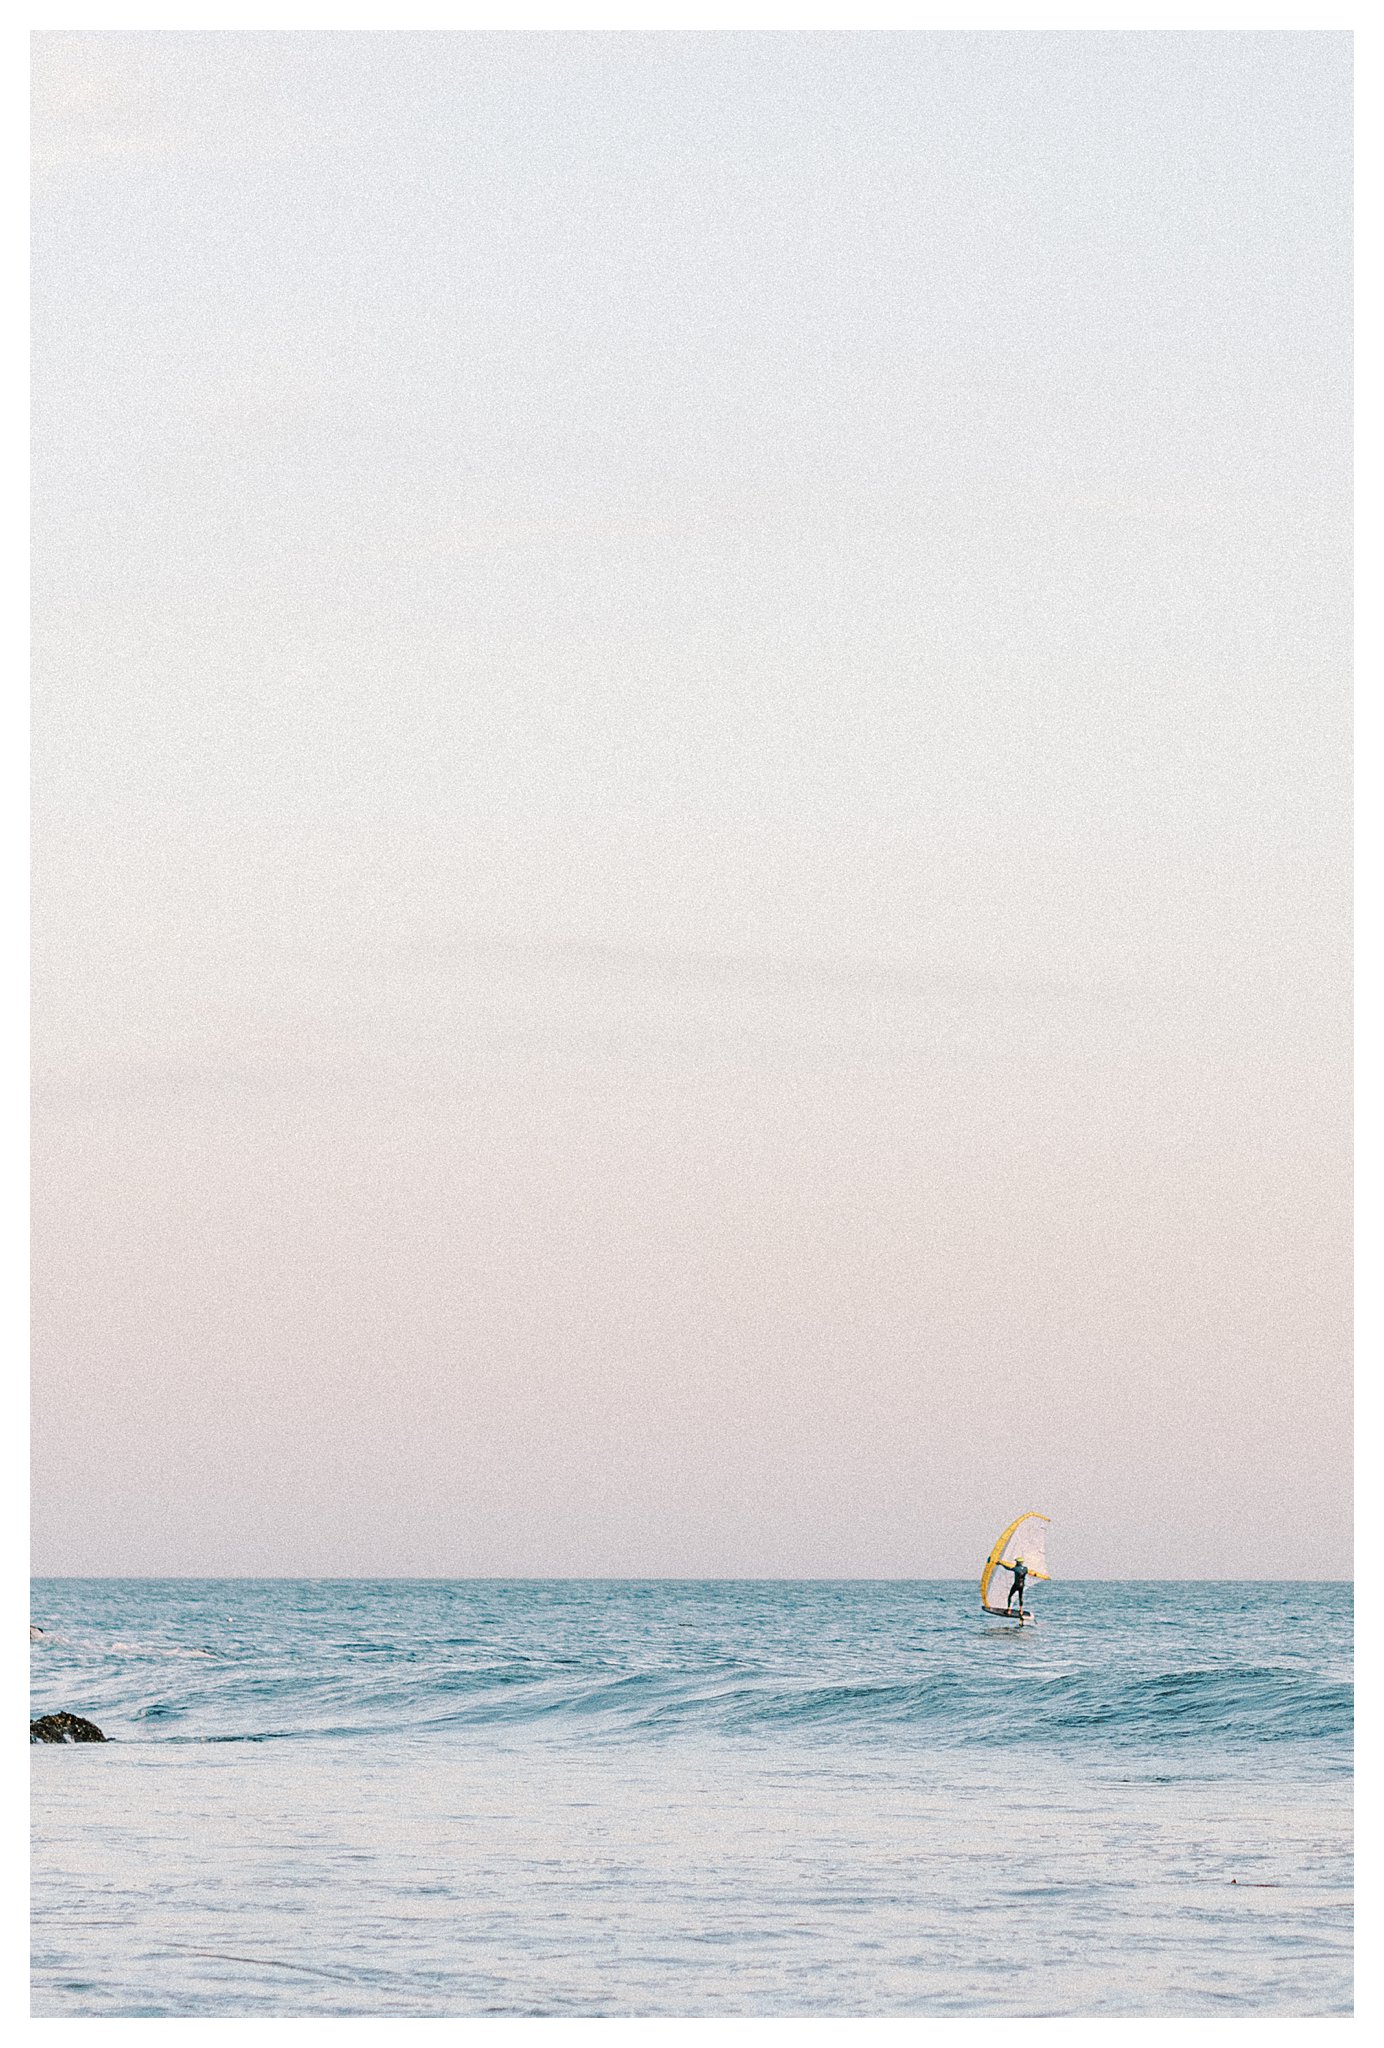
(696, 1798)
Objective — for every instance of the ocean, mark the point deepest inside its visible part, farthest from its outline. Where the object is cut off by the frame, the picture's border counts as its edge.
(574, 1797)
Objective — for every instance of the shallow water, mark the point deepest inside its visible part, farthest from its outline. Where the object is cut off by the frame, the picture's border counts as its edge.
(572, 1797)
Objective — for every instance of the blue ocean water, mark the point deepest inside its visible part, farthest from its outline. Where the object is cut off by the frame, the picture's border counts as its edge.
(711, 1797)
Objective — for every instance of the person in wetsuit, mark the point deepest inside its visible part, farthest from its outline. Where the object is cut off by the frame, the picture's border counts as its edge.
(1020, 1571)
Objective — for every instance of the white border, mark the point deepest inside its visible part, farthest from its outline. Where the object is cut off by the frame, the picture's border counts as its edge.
(606, 16)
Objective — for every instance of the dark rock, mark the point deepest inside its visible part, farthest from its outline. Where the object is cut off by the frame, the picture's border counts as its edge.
(64, 1728)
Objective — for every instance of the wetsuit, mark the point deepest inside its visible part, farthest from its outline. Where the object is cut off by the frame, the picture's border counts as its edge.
(1020, 1572)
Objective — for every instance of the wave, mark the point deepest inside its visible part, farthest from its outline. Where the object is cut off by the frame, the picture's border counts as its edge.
(1243, 1704)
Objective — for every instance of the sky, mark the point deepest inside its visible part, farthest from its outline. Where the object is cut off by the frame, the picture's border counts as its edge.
(691, 803)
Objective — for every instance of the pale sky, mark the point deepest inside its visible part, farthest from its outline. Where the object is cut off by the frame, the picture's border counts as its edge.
(692, 803)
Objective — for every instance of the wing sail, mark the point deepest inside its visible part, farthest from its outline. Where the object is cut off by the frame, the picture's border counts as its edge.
(1026, 1537)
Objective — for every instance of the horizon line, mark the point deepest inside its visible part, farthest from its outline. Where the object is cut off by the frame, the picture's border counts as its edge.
(651, 1579)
